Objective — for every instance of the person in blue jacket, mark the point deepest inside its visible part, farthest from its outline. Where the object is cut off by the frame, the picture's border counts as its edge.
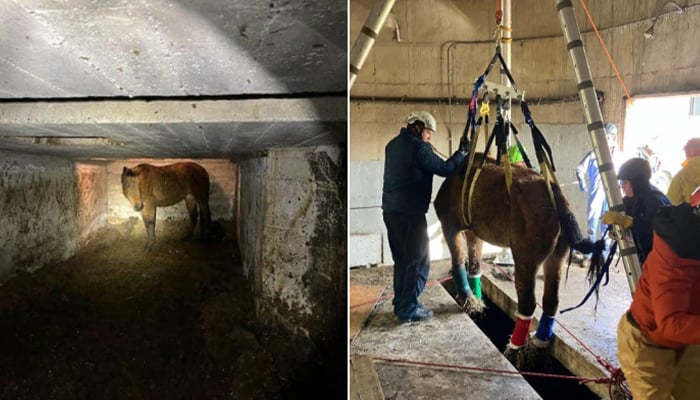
(589, 181)
(409, 166)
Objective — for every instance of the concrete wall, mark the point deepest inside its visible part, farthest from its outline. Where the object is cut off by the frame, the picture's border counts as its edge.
(436, 63)
(223, 178)
(293, 241)
(252, 218)
(38, 201)
(434, 69)
(91, 186)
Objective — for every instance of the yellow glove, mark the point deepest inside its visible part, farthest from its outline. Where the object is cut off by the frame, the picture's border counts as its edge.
(616, 218)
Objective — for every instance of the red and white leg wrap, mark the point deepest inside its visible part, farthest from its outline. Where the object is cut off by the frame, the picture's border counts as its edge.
(520, 332)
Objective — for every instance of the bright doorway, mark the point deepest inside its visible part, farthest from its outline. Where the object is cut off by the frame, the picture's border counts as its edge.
(663, 124)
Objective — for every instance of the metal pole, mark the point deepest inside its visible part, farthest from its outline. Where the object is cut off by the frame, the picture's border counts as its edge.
(365, 40)
(596, 128)
(506, 39)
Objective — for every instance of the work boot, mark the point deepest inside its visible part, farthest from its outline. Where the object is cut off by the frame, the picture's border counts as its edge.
(418, 315)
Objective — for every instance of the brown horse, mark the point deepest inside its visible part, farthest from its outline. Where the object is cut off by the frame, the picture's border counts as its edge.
(147, 187)
(524, 219)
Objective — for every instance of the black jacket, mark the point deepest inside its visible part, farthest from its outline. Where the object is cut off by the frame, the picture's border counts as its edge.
(642, 207)
(679, 227)
(409, 166)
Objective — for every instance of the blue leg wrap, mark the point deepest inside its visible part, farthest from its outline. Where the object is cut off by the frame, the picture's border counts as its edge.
(545, 329)
(459, 276)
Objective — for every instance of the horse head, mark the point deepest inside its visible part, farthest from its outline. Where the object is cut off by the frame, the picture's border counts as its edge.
(130, 188)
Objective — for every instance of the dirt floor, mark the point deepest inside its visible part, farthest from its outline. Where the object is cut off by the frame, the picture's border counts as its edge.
(114, 322)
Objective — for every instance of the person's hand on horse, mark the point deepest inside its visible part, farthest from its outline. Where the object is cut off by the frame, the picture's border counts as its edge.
(616, 218)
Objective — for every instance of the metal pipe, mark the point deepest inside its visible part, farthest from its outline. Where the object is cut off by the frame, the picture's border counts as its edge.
(505, 51)
(506, 39)
(596, 128)
(368, 34)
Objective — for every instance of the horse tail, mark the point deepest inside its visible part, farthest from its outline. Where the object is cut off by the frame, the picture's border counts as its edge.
(573, 236)
(599, 266)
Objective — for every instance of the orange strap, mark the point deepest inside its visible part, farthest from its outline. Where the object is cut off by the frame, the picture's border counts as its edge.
(605, 49)
(499, 12)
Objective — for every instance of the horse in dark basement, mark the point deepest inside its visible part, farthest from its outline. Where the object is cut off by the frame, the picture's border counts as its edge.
(525, 218)
(148, 187)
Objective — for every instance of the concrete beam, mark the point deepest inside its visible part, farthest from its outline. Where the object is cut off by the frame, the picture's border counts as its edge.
(325, 109)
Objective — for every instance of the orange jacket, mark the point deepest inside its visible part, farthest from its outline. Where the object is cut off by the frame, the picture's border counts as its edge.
(666, 302)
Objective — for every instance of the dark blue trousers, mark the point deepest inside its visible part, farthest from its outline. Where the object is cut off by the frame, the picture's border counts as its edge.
(408, 240)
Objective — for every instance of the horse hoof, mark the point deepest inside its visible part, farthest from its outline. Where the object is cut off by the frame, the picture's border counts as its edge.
(473, 306)
(529, 357)
(515, 356)
(538, 358)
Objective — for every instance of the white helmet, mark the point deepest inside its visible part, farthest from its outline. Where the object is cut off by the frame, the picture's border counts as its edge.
(423, 116)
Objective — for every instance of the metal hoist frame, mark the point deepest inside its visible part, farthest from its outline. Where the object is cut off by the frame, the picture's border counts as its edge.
(596, 129)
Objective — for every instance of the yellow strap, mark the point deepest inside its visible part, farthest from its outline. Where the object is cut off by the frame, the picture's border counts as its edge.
(471, 190)
(466, 219)
(548, 174)
(508, 172)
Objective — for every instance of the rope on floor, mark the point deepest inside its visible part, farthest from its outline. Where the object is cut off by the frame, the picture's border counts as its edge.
(477, 369)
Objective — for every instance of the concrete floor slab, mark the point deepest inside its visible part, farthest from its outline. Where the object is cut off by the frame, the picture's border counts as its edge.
(446, 357)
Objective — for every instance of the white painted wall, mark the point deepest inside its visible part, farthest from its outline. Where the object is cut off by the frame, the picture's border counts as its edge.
(367, 240)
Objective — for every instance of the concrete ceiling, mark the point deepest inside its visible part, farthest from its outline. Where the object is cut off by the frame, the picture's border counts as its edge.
(167, 79)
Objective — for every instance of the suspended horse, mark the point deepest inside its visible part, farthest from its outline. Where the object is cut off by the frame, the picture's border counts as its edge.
(534, 222)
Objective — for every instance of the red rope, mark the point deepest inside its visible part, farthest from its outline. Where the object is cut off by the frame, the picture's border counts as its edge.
(478, 369)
